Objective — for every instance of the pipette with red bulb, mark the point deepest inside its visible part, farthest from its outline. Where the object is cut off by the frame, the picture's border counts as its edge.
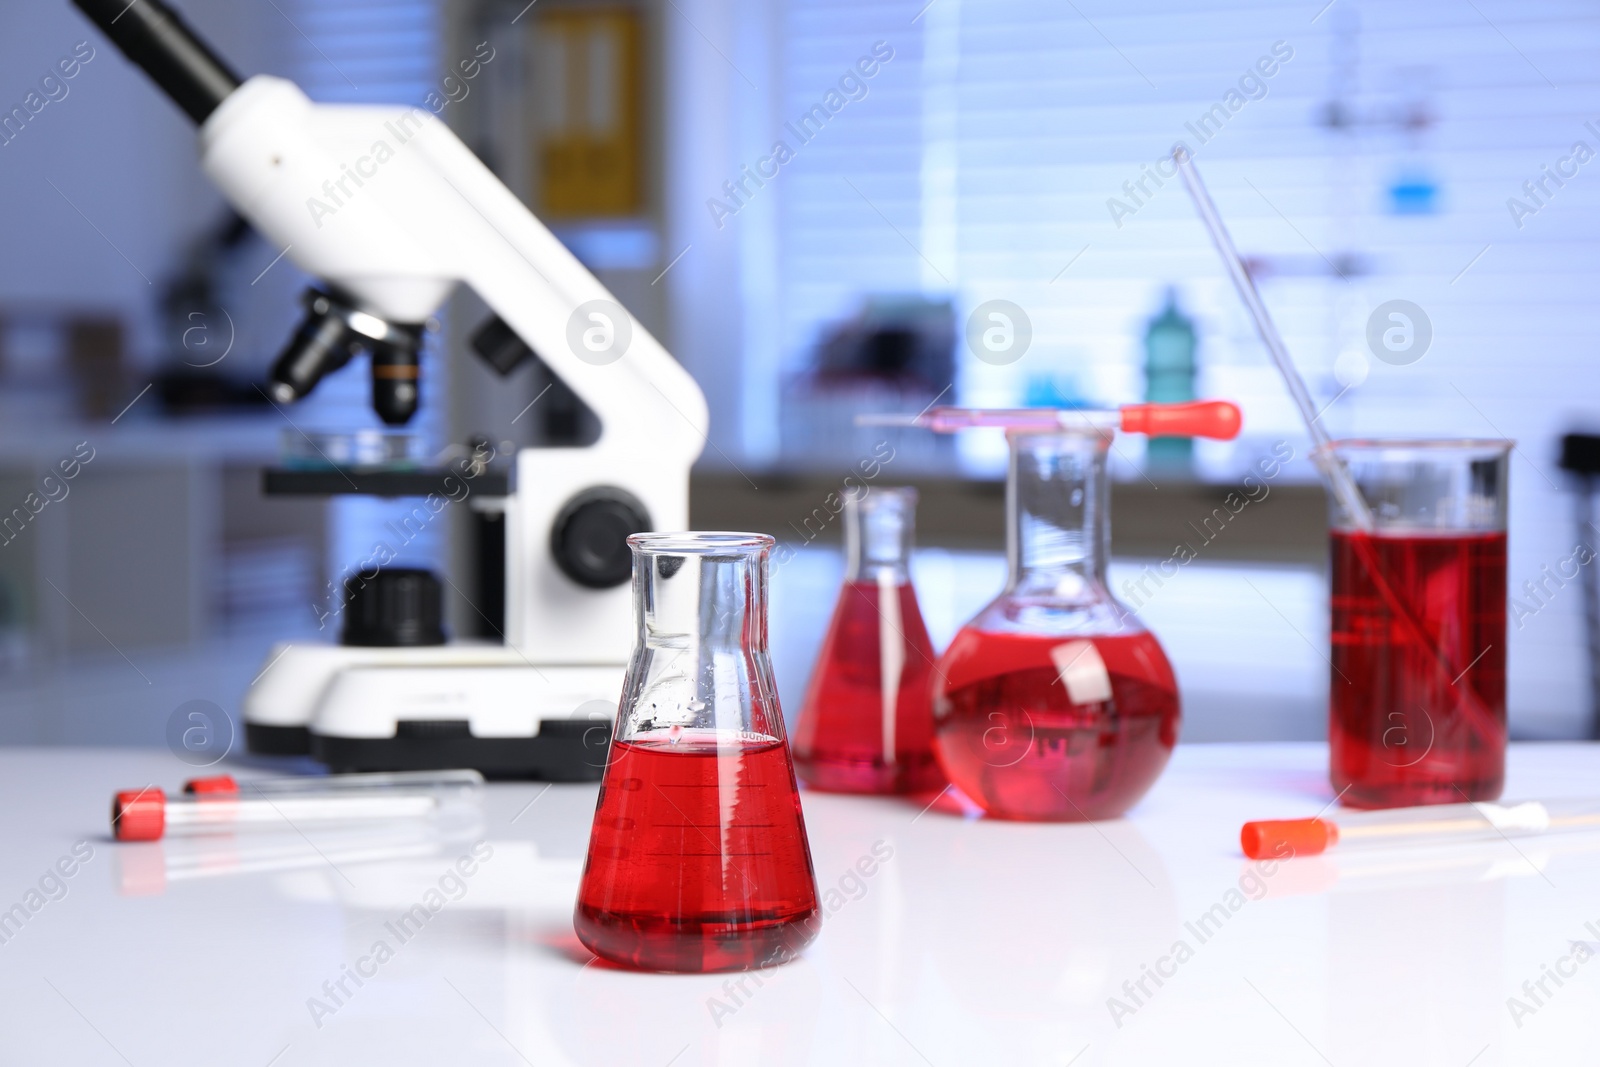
(1216, 419)
(1436, 824)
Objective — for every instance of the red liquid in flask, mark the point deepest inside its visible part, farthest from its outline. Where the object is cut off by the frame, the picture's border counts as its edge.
(1418, 704)
(698, 859)
(1013, 738)
(842, 741)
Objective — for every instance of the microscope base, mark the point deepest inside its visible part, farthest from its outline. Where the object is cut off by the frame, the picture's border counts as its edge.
(277, 740)
(564, 750)
(474, 706)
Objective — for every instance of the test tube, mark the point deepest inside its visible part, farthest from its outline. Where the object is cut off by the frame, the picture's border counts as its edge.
(453, 781)
(148, 814)
(1433, 824)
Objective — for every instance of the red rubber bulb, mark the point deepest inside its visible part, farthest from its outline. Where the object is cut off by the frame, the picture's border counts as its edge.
(1217, 419)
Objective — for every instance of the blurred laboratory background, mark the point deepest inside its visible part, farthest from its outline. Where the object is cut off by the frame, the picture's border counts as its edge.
(819, 206)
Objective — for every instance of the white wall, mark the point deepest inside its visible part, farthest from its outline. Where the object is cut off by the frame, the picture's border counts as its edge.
(1051, 109)
(722, 90)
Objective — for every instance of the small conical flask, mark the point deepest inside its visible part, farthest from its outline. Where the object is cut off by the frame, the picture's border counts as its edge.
(867, 722)
(698, 859)
(1054, 702)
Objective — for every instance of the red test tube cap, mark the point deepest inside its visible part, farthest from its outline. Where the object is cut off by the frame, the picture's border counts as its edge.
(218, 783)
(139, 814)
(1279, 839)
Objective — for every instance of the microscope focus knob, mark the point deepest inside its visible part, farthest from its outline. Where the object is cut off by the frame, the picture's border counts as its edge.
(400, 607)
(590, 537)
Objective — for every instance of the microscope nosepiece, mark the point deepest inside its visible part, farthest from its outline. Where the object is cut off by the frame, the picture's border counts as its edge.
(332, 333)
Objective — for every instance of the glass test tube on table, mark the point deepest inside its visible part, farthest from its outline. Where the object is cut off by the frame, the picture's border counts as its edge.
(222, 804)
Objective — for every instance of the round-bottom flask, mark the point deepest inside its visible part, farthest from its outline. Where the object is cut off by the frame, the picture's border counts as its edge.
(698, 858)
(1055, 703)
(867, 722)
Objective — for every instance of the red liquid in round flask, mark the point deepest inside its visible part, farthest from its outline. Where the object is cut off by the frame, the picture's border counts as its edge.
(867, 722)
(1055, 703)
(698, 858)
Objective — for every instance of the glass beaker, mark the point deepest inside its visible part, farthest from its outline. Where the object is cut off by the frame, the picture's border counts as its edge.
(1054, 702)
(867, 722)
(698, 859)
(1417, 702)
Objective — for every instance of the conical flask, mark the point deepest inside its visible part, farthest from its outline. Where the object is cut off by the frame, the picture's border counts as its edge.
(867, 722)
(1054, 702)
(698, 859)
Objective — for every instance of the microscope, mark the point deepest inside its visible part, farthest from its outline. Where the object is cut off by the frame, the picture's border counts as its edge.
(391, 211)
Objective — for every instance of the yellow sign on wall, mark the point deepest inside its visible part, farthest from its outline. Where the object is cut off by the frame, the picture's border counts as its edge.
(587, 80)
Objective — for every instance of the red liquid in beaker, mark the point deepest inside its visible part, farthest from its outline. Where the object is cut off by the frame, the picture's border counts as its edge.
(842, 739)
(698, 858)
(1418, 706)
(1013, 738)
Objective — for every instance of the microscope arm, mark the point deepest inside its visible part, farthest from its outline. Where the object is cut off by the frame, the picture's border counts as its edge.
(392, 211)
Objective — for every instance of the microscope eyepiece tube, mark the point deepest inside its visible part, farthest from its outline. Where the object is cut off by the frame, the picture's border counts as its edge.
(156, 38)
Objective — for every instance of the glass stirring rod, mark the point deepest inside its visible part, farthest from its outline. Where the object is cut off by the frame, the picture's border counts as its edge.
(1340, 483)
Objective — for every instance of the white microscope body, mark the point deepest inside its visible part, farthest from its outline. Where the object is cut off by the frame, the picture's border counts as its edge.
(393, 211)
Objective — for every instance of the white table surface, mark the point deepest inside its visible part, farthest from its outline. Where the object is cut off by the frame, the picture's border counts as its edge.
(974, 943)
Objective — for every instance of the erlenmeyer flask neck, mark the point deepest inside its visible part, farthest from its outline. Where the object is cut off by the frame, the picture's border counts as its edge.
(700, 658)
(716, 601)
(879, 525)
(1057, 510)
